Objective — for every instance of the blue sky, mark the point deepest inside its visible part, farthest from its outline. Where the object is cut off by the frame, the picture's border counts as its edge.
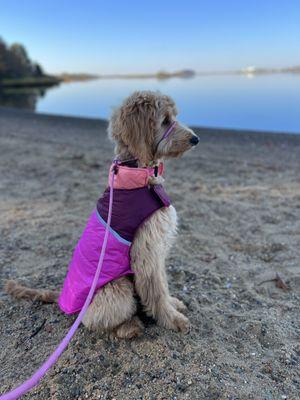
(147, 36)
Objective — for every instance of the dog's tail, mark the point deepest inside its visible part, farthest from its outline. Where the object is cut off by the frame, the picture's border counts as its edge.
(22, 292)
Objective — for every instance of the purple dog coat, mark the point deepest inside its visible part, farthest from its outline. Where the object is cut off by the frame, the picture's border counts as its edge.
(133, 203)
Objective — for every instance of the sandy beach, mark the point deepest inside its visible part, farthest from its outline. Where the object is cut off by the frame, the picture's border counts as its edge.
(238, 200)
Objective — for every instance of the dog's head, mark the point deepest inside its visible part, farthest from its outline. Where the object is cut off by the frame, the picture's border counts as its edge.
(139, 125)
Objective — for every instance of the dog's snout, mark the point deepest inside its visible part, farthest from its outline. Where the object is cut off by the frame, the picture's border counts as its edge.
(194, 140)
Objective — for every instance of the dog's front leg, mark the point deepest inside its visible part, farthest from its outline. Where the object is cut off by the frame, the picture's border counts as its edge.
(148, 253)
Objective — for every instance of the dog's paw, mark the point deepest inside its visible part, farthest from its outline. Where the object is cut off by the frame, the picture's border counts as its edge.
(129, 329)
(181, 323)
(178, 304)
(176, 321)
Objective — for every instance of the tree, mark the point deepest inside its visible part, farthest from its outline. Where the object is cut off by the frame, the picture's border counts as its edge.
(3, 58)
(38, 70)
(15, 62)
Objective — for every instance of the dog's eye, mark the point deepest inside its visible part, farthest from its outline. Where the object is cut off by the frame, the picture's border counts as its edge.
(166, 121)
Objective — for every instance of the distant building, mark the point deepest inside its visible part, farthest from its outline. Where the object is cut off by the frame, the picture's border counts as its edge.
(249, 70)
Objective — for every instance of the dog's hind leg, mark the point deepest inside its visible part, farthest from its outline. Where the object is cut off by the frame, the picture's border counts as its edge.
(113, 309)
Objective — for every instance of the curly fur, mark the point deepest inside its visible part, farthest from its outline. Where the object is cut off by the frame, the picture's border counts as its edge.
(136, 128)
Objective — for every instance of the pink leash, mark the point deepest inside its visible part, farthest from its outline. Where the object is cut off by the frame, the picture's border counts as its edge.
(38, 375)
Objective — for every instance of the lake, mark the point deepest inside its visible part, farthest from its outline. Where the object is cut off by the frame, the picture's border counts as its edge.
(259, 102)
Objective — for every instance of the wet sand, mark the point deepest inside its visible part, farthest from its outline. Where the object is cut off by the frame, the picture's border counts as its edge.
(238, 199)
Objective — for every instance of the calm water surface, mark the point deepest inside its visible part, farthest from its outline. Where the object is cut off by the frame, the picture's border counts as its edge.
(264, 102)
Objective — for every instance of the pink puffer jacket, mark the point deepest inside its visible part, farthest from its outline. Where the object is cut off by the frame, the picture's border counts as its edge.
(134, 202)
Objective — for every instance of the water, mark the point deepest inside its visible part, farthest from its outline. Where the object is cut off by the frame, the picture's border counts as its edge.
(262, 102)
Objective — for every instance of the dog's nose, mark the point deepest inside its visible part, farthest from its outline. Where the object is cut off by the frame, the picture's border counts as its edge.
(194, 140)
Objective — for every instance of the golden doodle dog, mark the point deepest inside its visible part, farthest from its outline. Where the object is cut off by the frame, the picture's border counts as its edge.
(145, 132)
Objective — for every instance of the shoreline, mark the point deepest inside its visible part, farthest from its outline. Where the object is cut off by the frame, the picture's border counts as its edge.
(11, 112)
(46, 81)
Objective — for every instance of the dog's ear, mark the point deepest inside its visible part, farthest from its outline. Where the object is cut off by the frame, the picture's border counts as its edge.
(134, 124)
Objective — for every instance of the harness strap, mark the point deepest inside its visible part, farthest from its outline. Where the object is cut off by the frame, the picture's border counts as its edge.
(166, 134)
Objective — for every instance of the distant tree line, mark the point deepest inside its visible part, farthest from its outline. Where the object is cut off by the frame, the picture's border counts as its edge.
(15, 62)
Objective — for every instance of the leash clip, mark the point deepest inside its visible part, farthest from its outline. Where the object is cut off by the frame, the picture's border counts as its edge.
(115, 168)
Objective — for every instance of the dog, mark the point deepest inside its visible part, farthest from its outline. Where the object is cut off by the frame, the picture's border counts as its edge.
(138, 129)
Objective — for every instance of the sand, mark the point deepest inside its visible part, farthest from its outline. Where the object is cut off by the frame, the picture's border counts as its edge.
(238, 199)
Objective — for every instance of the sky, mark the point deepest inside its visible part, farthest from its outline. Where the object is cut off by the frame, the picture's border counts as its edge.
(148, 36)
